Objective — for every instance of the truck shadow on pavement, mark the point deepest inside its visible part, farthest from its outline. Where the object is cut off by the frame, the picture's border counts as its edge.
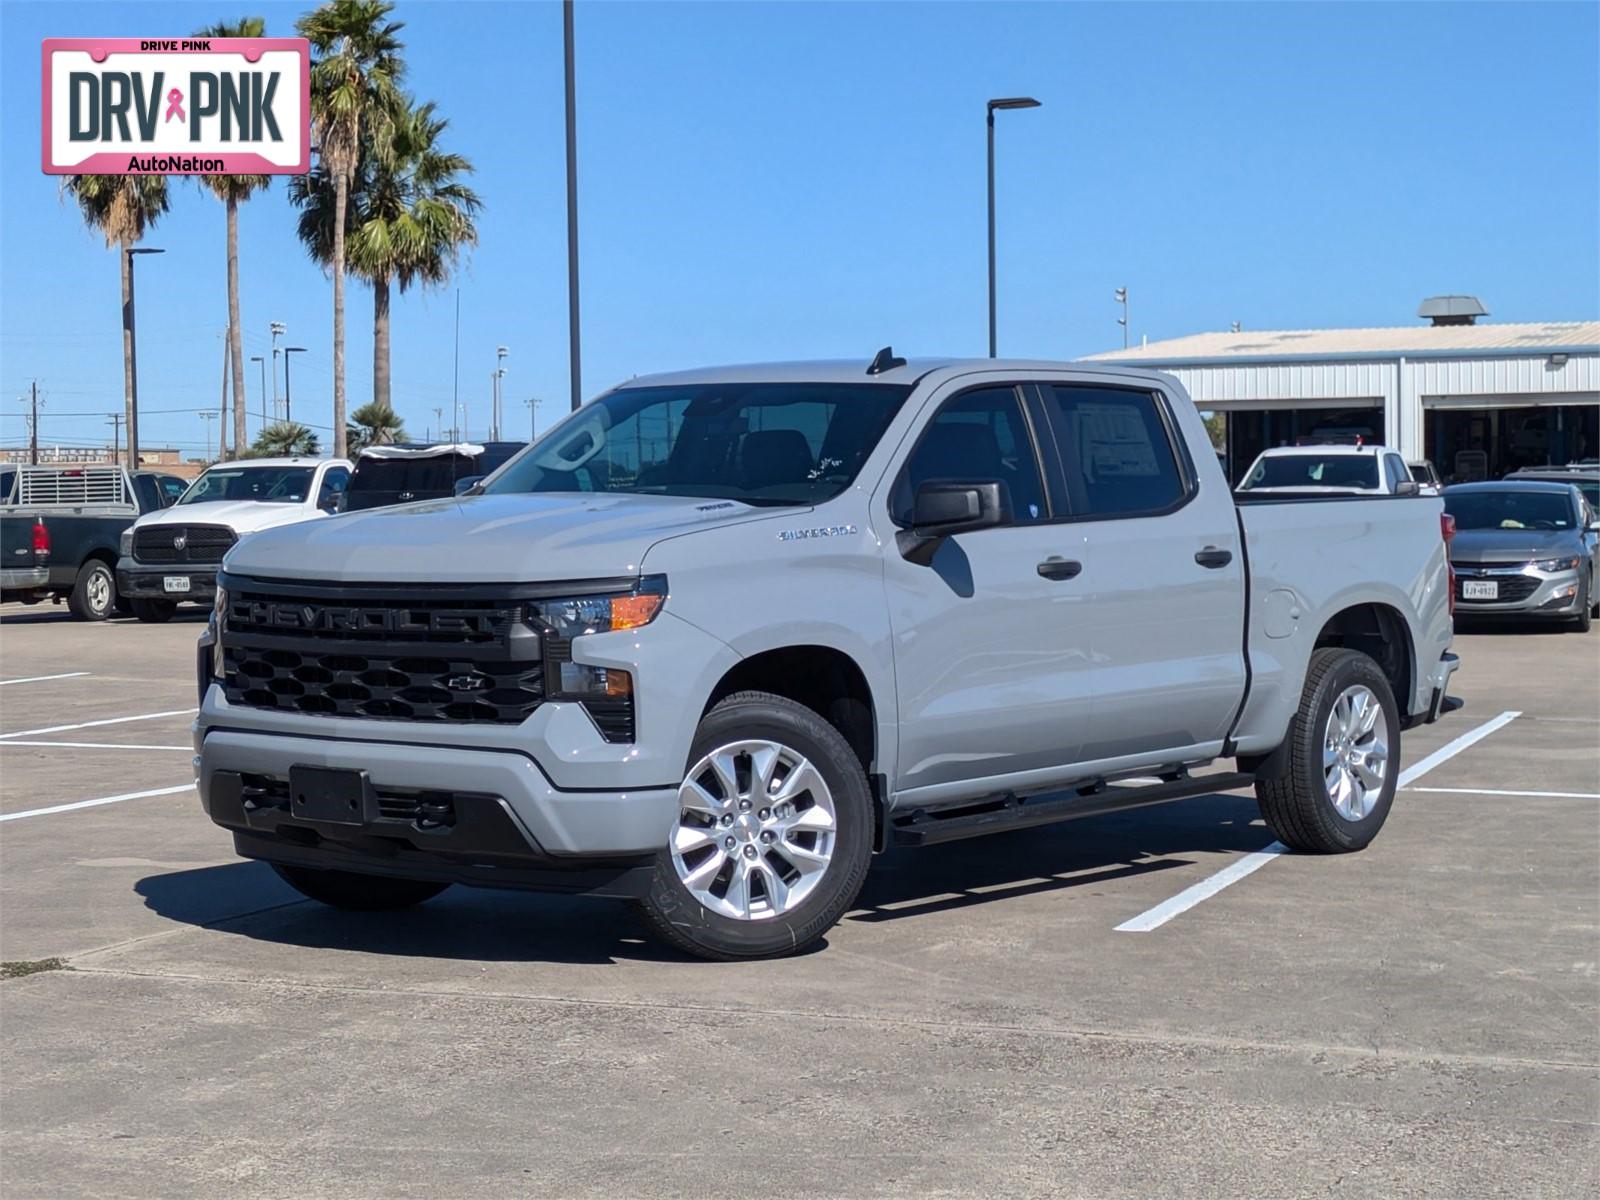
(246, 899)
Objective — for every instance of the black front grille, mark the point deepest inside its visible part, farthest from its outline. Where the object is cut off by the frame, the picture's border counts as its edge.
(182, 543)
(356, 619)
(382, 685)
(1512, 588)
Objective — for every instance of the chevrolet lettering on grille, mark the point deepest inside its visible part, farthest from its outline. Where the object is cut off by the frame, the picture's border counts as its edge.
(329, 618)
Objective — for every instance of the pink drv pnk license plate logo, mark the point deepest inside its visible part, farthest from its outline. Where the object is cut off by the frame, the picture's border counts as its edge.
(176, 106)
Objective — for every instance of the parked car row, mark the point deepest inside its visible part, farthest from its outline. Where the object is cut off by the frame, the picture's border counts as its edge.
(106, 540)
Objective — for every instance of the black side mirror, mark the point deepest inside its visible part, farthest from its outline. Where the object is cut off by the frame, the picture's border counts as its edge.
(1408, 487)
(468, 485)
(942, 509)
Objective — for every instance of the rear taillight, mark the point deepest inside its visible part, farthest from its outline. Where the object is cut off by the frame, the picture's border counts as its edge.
(1447, 531)
(41, 538)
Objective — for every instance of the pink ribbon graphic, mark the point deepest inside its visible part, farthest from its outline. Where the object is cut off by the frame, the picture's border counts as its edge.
(175, 106)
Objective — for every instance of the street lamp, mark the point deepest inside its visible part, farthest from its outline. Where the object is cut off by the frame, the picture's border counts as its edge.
(130, 344)
(288, 409)
(574, 360)
(499, 374)
(258, 358)
(1122, 299)
(1009, 102)
(278, 330)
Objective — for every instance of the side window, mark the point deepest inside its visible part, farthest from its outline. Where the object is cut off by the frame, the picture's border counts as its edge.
(172, 487)
(1115, 449)
(333, 486)
(977, 437)
(148, 493)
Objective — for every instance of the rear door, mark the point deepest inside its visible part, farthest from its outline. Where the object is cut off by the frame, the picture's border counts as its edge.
(992, 637)
(1164, 579)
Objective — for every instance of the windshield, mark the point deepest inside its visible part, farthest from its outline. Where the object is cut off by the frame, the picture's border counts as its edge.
(1422, 473)
(274, 485)
(1510, 510)
(1589, 487)
(760, 443)
(1315, 470)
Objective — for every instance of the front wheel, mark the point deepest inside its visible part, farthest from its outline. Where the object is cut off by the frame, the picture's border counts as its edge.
(1585, 617)
(352, 890)
(772, 838)
(1343, 759)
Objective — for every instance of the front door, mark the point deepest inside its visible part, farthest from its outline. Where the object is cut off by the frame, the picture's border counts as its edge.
(992, 657)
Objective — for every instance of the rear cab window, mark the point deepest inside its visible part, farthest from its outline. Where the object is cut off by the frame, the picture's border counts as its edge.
(1117, 451)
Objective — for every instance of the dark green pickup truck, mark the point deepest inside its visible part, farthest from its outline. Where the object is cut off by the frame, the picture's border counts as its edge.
(60, 529)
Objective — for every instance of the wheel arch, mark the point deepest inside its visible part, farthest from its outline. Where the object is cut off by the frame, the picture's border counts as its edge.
(824, 678)
(1379, 631)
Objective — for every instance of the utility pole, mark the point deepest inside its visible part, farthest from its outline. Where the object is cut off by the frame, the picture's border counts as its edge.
(1122, 299)
(278, 330)
(258, 358)
(438, 416)
(533, 403)
(33, 425)
(130, 352)
(227, 365)
(575, 367)
(115, 421)
(455, 385)
(208, 415)
(288, 412)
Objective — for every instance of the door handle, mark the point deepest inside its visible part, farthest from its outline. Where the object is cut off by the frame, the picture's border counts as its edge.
(1213, 558)
(1055, 567)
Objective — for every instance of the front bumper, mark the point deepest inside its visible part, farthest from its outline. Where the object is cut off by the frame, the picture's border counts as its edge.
(139, 581)
(1524, 591)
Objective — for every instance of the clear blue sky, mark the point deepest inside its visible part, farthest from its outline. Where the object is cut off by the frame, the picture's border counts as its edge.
(765, 180)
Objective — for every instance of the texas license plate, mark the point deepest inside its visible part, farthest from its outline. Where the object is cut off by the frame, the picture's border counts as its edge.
(327, 794)
(175, 583)
(1480, 589)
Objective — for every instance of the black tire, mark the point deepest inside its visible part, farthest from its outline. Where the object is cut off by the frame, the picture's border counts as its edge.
(357, 892)
(157, 612)
(1296, 805)
(1585, 617)
(94, 592)
(673, 913)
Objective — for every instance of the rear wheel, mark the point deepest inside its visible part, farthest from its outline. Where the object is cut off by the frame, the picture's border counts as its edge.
(155, 611)
(773, 834)
(1343, 758)
(94, 593)
(352, 890)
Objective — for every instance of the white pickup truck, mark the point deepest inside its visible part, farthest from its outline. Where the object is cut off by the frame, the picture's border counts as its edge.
(171, 556)
(720, 635)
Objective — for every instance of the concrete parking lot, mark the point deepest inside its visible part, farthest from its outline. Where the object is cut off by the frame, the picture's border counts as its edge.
(1419, 1019)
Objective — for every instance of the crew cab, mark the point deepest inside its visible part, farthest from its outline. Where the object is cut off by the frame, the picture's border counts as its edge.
(1372, 470)
(172, 556)
(720, 636)
(60, 528)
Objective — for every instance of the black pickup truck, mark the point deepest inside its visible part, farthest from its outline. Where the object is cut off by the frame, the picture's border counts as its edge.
(60, 530)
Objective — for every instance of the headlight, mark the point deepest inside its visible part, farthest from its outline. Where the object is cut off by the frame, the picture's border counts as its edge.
(1557, 564)
(125, 545)
(574, 616)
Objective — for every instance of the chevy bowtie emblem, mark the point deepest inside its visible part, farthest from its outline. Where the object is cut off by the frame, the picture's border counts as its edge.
(179, 542)
(466, 683)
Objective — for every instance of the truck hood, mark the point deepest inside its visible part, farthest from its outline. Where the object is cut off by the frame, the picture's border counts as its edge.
(487, 539)
(241, 516)
(1513, 545)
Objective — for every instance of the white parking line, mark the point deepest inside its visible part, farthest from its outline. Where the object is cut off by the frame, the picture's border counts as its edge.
(42, 678)
(22, 733)
(1158, 916)
(1497, 792)
(55, 808)
(95, 745)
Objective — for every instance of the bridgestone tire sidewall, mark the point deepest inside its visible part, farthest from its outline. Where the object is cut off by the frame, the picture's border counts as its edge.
(681, 918)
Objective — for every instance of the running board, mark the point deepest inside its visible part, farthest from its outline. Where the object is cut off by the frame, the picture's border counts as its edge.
(925, 828)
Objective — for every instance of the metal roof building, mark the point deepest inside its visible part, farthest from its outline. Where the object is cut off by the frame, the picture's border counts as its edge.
(1494, 397)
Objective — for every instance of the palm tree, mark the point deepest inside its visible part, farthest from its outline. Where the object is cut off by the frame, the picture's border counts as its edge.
(231, 190)
(284, 438)
(354, 82)
(122, 208)
(374, 425)
(408, 218)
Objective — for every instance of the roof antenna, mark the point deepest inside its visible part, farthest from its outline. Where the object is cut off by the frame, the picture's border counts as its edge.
(885, 361)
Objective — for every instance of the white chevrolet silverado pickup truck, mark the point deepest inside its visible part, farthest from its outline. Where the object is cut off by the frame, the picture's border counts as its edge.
(719, 636)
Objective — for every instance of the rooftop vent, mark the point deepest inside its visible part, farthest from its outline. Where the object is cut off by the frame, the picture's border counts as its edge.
(1452, 310)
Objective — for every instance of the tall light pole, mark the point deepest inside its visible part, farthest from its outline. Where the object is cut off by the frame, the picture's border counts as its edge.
(438, 415)
(500, 353)
(130, 342)
(208, 415)
(533, 403)
(278, 330)
(288, 410)
(575, 367)
(1122, 299)
(32, 398)
(1009, 102)
(258, 358)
